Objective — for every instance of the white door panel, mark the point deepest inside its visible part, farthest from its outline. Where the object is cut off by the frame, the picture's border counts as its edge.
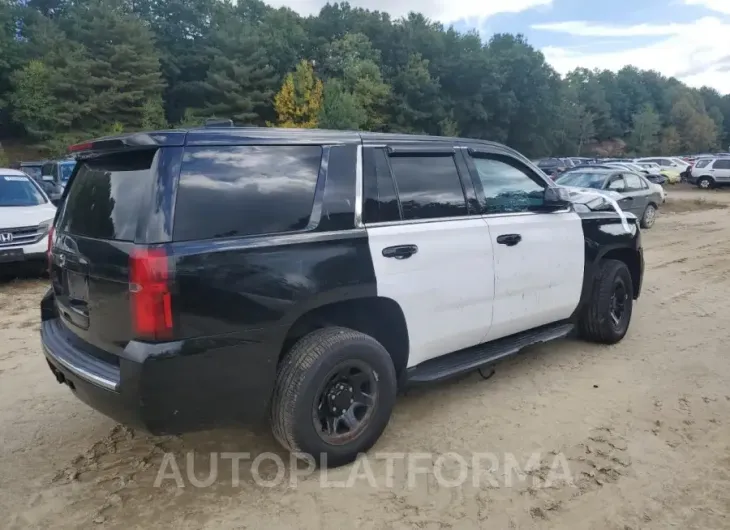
(539, 280)
(445, 289)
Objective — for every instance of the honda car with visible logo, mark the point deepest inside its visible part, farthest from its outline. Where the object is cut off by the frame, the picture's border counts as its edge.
(26, 216)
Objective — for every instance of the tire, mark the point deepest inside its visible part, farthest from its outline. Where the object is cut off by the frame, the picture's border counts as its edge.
(306, 369)
(647, 220)
(597, 323)
(706, 183)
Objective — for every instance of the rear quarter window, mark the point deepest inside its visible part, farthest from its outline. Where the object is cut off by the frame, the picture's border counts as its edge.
(245, 190)
(702, 163)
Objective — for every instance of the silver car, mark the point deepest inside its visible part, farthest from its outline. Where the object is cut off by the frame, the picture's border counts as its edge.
(710, 173)
(634, 193)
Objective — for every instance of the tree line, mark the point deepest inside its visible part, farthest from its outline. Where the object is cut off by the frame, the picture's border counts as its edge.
(73, 69)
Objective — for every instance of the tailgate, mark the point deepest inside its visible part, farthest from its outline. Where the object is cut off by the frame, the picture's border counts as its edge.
(94, 237)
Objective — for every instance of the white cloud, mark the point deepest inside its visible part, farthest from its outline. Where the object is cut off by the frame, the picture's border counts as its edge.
(697, 52)
(440, 10)
(721, 6)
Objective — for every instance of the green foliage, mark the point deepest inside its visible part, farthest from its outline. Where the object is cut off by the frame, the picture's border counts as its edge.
(240, 81)
(340, 109)
(645, 132)
(72, 69)
(299, 102)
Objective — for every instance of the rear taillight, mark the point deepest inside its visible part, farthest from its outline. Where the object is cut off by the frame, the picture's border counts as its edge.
(51, 232)
(149, 292)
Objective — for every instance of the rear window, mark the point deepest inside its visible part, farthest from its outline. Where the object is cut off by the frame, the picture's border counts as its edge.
(245, 190)
(105, 194)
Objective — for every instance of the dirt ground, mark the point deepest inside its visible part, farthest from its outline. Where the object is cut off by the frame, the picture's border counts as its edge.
(643, 427)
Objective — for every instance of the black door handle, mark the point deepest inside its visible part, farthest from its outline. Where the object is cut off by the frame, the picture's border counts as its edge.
(509, 239)
(400, 251)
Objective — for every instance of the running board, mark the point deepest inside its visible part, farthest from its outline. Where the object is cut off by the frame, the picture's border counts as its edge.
(470, 359)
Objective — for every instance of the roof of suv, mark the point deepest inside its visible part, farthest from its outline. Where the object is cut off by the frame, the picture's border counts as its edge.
(223, 135)
(216, 134)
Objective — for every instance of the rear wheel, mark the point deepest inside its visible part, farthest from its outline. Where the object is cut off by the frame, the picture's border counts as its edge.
(607, 314)
(706, 183)
(647, 220)
(334, 394)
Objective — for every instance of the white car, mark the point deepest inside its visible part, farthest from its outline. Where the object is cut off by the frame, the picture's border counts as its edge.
(665, 162)
(26, 216)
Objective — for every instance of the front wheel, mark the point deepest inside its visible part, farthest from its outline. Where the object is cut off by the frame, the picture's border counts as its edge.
(607, 314)
(647, 220)
(334, 394)
(706, 183)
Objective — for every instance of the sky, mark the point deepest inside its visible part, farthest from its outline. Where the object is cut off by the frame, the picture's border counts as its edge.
(687, 39)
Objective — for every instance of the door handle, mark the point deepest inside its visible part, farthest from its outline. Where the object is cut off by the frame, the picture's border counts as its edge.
(509, 239)
(627, 199)
(400, 251)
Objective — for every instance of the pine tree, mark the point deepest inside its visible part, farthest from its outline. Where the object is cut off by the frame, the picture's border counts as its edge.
(123, 66)
(299, 101)
(240, 81)
(341, 109)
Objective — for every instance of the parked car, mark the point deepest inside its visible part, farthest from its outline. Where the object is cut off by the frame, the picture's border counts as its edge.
(637, 195)
(671, 167)
(221, 275)
(33, 169)
(552, 167)
(710, 173)
(26, 215)
(55, 174)
(652, 175)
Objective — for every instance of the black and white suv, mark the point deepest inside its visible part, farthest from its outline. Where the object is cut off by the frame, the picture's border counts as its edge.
(220, 276)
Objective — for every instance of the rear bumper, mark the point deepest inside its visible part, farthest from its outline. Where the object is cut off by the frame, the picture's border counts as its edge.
(168, 388)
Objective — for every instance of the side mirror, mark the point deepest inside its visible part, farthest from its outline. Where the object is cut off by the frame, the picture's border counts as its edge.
(556, 197)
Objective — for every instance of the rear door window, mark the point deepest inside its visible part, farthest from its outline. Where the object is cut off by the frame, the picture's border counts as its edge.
(428, 187)
(633, 182)
(722, 164)
(245, 190)
(105, 195)
(380, 201)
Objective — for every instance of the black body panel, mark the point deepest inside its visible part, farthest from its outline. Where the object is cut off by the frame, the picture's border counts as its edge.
(604, 237)
(248, 284)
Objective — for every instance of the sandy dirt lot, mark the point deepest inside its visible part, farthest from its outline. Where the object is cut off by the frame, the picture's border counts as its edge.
(643, 427)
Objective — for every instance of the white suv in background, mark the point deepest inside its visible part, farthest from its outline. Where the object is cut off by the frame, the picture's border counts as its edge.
(709, 173)
(26, 216)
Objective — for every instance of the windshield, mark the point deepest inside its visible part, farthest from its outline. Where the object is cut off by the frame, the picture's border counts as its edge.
(578, 179)
(19, 191)
(66, 169)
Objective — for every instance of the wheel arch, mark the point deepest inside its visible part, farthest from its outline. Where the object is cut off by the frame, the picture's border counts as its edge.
(380, 317)
(632, 259)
